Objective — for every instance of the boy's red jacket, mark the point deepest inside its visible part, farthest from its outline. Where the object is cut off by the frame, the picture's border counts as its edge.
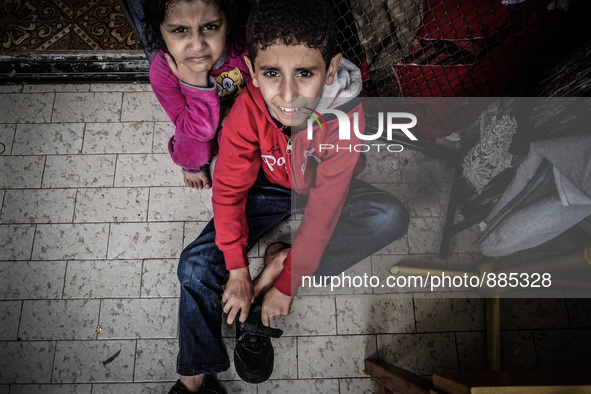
(252, 139)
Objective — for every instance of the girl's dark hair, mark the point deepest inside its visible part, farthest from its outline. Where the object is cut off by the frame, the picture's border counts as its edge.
(307, 22)
(236, 12)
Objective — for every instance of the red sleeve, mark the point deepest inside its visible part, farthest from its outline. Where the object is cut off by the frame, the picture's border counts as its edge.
(235, 172)
(323, 210)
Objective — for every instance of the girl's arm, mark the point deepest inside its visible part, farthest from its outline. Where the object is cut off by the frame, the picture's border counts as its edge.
(195, 111)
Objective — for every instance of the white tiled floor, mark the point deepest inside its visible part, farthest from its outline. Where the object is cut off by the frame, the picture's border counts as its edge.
(94, 216)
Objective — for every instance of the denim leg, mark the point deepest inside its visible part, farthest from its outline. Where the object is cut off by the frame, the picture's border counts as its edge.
(370, 220)
(202, 275)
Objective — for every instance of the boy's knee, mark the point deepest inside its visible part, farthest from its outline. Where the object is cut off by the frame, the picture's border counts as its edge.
(394, 219)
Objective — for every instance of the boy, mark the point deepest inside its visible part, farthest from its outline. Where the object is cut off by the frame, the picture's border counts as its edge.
(264, 164)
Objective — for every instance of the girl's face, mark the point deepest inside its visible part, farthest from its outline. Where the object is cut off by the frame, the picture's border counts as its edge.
(195, 34)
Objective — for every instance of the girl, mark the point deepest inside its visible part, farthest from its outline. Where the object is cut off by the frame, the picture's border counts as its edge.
(197, 72)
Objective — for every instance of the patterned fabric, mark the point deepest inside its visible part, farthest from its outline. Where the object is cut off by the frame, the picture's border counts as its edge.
(490, 156)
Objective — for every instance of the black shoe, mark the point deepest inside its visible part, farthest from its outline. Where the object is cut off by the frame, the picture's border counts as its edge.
(253, 355)
(210, 386)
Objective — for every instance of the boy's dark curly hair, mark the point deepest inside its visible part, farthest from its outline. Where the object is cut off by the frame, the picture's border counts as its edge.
(236, 12)
(291, 22)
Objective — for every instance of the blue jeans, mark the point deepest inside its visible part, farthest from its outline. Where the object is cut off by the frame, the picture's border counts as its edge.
(370, 220)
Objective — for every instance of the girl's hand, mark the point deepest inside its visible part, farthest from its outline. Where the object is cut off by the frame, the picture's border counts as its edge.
(200, 180)
(185, 74)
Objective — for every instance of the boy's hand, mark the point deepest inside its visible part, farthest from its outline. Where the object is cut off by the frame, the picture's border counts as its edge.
(186, 75)
(238, 295)
(275, 305)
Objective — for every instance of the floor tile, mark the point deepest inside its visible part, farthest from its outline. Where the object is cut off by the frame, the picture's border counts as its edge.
(567, 349)
(525, 313)
(156, 360)
(419, 168)
(422, 354)
(240, 387)
(11, 88)
(52, 389)
(340, 356)
(449, 314)
(309, 316)
(192, 231)
(159, 278)
(6, 138)
(121, 87)
(136, 388)
(43, 139)
(579, 312)
(400, 246)
(142, 107)
(147, 170)
(424, 235)
(144, 241)
(16, 366)
(27, 108)
(16, 242)
(320, 386)
(382, 168)
(10, 312)
(465, 241)
(87, 107)
(62, 88)
(472, 351)
(163, 131)
(79, 171)
(93, 361)
(127, 137)
(32, 279)
(518, 351)
(59, 319)
(103, 279)
(139, 318)
(38, 206)
(374, 315)
(21, 172)
(420, 199)
(70, 241)
(358, 386)
(114, 205)
(179, 204)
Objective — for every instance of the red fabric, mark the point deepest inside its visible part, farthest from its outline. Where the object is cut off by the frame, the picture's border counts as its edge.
(461, 19)
(510, 43)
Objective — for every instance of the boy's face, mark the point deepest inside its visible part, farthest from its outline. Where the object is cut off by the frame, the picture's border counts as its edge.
(287, 75)
(195, 34)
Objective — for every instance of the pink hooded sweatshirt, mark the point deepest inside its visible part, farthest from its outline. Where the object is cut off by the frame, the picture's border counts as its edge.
(195, 111)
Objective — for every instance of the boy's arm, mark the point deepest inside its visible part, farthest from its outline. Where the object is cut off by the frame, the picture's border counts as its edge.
(235, 172)
(322, 213)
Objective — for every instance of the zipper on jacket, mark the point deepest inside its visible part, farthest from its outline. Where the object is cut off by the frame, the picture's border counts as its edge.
(289, 147)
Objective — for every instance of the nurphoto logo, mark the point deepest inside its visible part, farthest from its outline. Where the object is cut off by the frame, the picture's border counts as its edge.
(388, 122)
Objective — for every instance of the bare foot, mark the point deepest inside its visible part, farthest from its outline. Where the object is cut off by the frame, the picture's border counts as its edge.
(275, 254)
(199, 180)
(192, 383)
